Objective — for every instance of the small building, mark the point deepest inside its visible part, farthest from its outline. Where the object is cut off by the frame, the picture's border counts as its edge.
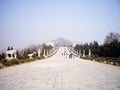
(11, 53)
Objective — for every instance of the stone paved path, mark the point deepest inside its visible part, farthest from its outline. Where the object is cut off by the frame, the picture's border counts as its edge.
(61, 73)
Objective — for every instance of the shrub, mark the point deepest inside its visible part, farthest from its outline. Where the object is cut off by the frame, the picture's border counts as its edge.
(38, 57)
(5, 62)
(15, 61)
(98, 59)
(29, 60)
(118, 62)
(22, 60)
(8, 63)
(41, 57)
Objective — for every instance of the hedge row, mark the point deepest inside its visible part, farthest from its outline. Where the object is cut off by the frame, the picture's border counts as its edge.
(42, 57)
(107, 60)
(5, 62)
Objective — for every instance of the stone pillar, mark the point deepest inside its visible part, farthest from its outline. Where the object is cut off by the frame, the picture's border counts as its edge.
(79, 52)
(89, 52)
(83, 53)
(47, 52)
(75, 52)
(39, 53)
(44, 52)
(15, 56)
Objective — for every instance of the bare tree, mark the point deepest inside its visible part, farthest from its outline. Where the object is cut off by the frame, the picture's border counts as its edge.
(112, 37)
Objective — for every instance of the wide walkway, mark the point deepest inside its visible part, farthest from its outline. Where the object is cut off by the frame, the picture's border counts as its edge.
(61, 73)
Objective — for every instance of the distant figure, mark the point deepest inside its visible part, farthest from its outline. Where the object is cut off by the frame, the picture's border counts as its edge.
(64, 51)
(66, 54)
(70, 56)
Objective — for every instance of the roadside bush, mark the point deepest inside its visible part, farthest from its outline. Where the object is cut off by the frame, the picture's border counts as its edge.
(118, 62)
(41, 57)
(22, 60)
(26, 60)
(88, 58)
(15, 61)
(29, 60)
(38, 58)
(98, 59)
(5, 62)
(107, 60)
(22, 57)
(8, 63)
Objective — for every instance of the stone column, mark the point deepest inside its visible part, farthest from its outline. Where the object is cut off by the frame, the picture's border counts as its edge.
(75, 52)
(89, 52)
(47, 52)
(50, 51)
(39, 53)
(83, 53)
(44, 52)
(79, 52)
(15, 56)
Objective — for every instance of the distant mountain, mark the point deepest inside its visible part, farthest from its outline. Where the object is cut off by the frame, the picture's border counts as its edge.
(62, 42)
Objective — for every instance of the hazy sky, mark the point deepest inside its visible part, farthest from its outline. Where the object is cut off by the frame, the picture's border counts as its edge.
(26, 22)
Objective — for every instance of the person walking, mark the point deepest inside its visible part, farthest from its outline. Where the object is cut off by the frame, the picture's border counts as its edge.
(70, 56)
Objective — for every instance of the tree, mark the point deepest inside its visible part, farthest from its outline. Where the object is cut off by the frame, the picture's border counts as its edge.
(112, 37)
(95, 48)
(2, 56)
(86, 48)
(76, 48)
(111, 47)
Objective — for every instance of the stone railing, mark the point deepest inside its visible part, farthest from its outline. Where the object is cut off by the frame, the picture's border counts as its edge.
(70, 49)
(53, 52)
(78, 52)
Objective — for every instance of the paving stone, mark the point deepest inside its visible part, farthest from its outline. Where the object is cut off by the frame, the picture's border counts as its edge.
(60, 73)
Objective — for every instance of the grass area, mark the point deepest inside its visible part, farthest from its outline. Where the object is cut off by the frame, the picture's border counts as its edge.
(106, 60)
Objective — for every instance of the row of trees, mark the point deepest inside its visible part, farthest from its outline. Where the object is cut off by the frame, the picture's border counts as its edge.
(110, 47)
